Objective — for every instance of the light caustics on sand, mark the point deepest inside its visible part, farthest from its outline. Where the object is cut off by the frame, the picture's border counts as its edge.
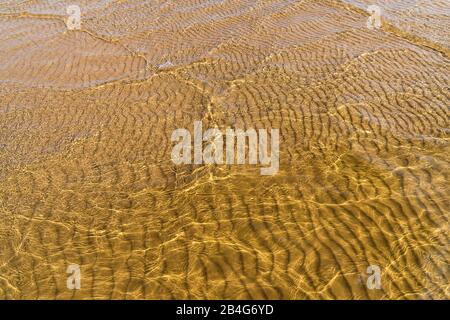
(92, 205)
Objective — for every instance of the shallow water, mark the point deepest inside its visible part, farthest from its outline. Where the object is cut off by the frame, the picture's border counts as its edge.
(86, 175)
(426, 19)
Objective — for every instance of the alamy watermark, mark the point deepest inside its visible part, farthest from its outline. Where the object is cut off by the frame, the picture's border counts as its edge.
(233, 141)
(374, 280)
(74, 20)
(374, 21)
(74, 277)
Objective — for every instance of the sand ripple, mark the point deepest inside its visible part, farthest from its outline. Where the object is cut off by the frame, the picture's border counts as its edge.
(86, 177)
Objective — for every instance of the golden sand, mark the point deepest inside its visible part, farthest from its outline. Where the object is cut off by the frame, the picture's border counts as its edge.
(86, 175)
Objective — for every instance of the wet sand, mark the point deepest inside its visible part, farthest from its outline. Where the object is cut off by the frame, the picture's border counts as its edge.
(86, 176)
